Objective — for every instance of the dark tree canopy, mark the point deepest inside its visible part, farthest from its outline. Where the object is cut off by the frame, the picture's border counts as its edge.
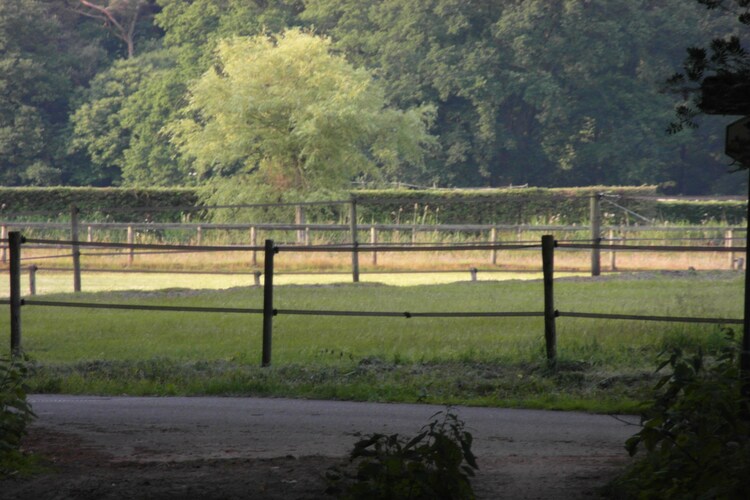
(537, 92)
(716, 79)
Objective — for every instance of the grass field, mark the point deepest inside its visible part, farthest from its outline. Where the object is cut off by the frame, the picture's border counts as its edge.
(603, 365)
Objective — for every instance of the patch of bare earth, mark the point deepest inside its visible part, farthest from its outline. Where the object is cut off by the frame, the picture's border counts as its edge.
(76, 470)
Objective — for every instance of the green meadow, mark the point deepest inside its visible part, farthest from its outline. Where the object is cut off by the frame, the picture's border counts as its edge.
(603, 365)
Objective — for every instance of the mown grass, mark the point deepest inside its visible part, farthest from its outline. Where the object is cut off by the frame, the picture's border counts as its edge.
(604, 366)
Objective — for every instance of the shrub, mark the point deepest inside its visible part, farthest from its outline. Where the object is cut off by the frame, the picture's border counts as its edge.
(427, 466)
(695, 434)
(15, 412)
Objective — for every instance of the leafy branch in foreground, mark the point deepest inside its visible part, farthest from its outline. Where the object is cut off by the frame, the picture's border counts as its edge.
(427, 466)
(15, 412)
(695, 434)
(725, 59)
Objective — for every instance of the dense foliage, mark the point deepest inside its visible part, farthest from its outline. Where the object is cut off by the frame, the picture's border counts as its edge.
(551, 94)
(695, 439)
(15, 412)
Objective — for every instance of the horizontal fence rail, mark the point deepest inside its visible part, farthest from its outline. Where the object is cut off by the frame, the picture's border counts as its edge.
(364, 247)
(137, 307)
(651, 248)
(671, 319)
(548, 246)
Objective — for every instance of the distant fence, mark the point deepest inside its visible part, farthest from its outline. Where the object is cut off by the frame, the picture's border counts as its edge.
(603, 237)
(547, 246)
(611, 239)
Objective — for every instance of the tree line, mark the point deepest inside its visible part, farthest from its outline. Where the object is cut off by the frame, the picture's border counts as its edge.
(279, 99)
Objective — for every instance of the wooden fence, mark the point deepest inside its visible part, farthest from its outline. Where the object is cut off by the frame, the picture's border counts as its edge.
(548, 245)
(604, 238)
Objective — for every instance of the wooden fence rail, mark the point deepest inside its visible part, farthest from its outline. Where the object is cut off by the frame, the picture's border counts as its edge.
(304, 233)
(268, 312)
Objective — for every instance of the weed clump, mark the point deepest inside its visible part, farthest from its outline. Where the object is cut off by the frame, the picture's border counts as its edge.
(437, 463)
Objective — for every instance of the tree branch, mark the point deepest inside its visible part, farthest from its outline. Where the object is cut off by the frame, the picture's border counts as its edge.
(105, 13)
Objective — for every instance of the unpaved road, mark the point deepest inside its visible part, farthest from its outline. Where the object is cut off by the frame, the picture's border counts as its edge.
(157, 447)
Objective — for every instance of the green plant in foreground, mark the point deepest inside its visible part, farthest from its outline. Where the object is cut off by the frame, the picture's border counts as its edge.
(15, 412)
(428, 466)
(696, 433)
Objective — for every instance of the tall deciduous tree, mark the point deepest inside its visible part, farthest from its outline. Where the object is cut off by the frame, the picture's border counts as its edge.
(34, 89)
(195, 27)
(284, 112)
(121, 17)
(119, 125)
(550, 93)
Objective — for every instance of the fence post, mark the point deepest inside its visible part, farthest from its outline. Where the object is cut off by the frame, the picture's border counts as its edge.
(729, 243)
(612, 253)
(299, 219)
(199, 236)
(373, 242)
(32, 279)
(89, 234)
(131, 241)
(548, 268)
(596, 237)
(355, 251)
(268, 311)
(254, 243)
(414, 224)
(4, 236)
(76, 251)
(14, 246)
(493, 240)
(473, 271)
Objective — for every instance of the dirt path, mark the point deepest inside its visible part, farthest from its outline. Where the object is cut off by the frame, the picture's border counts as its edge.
(280, 448)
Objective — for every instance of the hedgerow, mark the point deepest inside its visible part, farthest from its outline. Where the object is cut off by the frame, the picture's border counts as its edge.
(430, 206)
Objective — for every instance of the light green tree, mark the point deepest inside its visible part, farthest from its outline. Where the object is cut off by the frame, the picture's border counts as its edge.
(284, 114)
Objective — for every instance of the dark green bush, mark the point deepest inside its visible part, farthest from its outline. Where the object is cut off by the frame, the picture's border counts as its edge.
(695, 436)
(15, 412)
(435, 464)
